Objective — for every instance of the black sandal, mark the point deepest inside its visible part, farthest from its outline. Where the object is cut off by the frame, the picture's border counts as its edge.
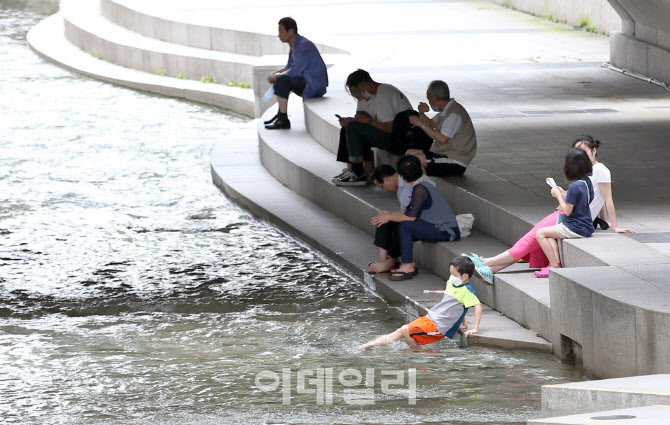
(599, 221)
(398, 276)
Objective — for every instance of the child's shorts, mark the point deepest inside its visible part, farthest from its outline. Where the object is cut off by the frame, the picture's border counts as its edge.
(563, 230)
(423, 331)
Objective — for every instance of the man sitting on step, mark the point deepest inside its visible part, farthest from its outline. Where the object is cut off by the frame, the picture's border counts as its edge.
(364, 132)
(305, 73)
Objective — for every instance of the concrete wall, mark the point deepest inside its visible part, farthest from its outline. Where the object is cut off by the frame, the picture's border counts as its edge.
(643, 45)
(599, 13)
(613, 319)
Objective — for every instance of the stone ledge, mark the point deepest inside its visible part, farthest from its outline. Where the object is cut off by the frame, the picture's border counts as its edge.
(48, 40)
(618, 316)
(650, 415)
(189, 34)
(306, 167)
(237, 171)
(607, 394)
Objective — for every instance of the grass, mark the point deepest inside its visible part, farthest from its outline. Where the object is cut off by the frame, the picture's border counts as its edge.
(585, 24)
(207, 79)
(181, 76)
(233, 83)
(161, 73)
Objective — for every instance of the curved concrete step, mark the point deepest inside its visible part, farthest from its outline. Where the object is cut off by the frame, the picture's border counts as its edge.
(48, 39)
(306, 167)
(151, 20)
(237, 171)
(504, 210)
(87, 28)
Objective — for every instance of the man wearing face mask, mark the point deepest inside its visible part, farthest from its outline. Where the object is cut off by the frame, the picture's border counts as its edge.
(364, 132)
(454, 139)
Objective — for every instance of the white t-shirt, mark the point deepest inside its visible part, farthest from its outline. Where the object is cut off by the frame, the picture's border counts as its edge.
(365, 105)
(601, 174)
(389, 102)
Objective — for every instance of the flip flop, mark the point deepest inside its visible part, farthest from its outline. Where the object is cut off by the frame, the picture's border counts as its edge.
(398, 276)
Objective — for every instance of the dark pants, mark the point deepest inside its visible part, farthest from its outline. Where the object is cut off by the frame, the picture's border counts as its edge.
(387, 237)
(343, 151)
(411, 231)
(361, 137)
(435, 167)
(285, 85)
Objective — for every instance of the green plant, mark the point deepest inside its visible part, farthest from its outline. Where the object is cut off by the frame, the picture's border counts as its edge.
(207, 79)
(161, 73)
(550, 18)
(243, 85)
(181, 76)
(533, 58)
(507, 4)
(95, 54)
(586, 25)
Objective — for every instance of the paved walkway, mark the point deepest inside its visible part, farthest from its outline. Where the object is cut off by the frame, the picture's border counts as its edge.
(530, 85)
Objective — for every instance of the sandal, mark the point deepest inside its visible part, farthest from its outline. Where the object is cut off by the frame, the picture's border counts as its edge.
(543, 272)
(603, 224)
(398, 276)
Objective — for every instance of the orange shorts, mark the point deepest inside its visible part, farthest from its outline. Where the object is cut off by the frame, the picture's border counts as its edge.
(420, 328)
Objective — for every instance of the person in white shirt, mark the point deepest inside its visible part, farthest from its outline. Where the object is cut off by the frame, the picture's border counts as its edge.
(454, 138)
(365, 132)
(602, 205)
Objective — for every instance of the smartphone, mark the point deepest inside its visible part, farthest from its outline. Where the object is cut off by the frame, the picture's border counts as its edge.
(550, 181)
(338, 117)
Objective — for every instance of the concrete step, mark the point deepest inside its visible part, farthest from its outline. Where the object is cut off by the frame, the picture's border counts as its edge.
(592, 307)
(650, 415)
(504, 210)
(307, 168)
(141, 17)
(605, 394)
(48, 39)
(237, 171)
(86, 27)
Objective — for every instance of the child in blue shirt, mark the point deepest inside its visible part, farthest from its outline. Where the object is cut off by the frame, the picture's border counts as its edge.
(577, 221)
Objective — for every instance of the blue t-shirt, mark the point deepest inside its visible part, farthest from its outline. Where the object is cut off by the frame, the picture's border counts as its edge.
(579, 194)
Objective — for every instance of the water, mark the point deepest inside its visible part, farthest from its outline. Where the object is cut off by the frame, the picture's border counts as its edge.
(131, 291)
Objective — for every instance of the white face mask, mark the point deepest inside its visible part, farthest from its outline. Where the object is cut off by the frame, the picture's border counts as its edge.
(456, 281)
(367, 95)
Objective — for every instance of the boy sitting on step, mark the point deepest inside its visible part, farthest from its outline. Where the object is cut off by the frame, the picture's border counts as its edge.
(446, 317)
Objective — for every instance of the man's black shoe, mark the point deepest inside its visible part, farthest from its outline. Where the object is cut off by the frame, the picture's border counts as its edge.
(271, 120)
(281, 123)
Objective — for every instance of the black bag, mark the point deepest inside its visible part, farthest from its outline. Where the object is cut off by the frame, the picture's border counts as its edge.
(405, 136)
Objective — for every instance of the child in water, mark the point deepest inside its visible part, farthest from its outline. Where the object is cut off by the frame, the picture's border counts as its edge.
(446, 317)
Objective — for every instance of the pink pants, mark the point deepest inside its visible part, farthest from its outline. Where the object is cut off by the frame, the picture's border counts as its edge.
(527, 247)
